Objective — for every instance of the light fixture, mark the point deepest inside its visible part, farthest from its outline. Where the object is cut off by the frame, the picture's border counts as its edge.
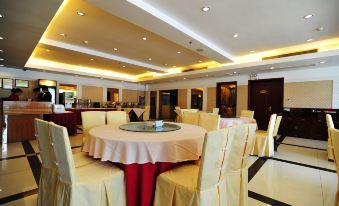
(308, 16)
(115, 49)
(149, 59)
(319, 28)
(235, 35)
(92, 59)
(252, 51)
(123, 66)
(309, 40)
(200, 61)
(174, 66)
(1, 50)
(178, 52)
(81, 13)
(86, 42)
(1, 59)
(184, 77)
(206, 75)
(322, 62)
(272, 67)
(205, 8)
(62, 34)
(1, 16)
(47, 50)
(1, 65)
(144, 38)
(166, 64)
(234, 72)
(1, 37)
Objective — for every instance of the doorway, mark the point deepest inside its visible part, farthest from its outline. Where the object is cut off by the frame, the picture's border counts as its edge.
(265, 97)
(112, 95)
(168, 101)
(227, 98)
(153, 105)
(196, 98)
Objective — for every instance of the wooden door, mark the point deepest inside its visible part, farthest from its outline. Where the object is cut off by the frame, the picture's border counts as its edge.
(153, 105)
(226, 98)
(265, 97)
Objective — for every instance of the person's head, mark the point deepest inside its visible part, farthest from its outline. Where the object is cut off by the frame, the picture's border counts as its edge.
(44, 89)
(13, 91)
(18, 92)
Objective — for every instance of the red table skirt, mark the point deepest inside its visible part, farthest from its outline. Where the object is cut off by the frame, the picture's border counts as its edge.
(68, 120)
(140, 180)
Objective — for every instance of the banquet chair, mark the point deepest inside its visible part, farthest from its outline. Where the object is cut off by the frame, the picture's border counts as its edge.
(330, 125)
(220, 179)
(190, 118)
(116, 117)
(209, 121)
(90, 120)
(48, 177)
(145, 115)
(178, 117)
(247, 113)
(275, 131)
(100, 183)
(264, 142)
(215, 111)
(335, 140)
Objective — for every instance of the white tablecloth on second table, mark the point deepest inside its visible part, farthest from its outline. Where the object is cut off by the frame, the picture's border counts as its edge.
(108, 142)
(229, 122)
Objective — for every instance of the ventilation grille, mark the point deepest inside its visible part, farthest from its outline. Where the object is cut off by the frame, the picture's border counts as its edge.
(291, 54)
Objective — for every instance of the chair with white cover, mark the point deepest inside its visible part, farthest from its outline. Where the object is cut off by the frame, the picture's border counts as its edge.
(275, 131)
(209, 121)
(116, 117)
(190, 118)
(220, 179)
(145, 115)
(335, 140)
(247, 113)
(94, 184)
(330, 125)
(215, 111)
(90, 120)
(264, 142)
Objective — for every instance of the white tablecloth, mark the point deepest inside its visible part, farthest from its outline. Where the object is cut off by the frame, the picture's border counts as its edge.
(229, 122)
(108, 142)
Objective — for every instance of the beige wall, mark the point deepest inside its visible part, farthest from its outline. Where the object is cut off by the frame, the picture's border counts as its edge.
(242, 98)
(182, 98)
(211, 98)
(27, 92)
(93, 93)
(131, 95)
(312, 94)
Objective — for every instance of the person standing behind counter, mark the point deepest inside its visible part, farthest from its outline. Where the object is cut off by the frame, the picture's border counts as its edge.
(45, 95)
(15, 93)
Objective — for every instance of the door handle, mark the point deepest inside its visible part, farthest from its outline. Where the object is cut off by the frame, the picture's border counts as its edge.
(269, 108)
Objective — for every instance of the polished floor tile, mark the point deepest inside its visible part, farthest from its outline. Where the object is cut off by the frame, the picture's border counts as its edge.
(14, 165)
(26, 201)
(253, 202)
(35, 146)
(306, 142)
(329, 183)
(11, 150)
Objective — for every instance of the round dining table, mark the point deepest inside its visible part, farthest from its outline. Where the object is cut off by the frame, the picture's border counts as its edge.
(144, 155)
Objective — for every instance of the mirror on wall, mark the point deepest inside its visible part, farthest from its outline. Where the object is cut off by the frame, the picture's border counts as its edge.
(227, 98)
(196, 98)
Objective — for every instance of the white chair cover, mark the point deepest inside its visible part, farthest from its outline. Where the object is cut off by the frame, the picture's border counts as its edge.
(276, 126)
(49, 174)
(93, 184)
(116, 117)
(146, 113)
(215, 111)
(209, 121)
(221, 179)
(330, 125)
(191, 118)
(90, 120)
(264, 142)
(247, 113)
(335, 141)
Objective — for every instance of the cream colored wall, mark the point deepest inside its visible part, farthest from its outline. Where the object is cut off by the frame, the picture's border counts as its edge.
(242, 98)
(131, 95)
(211, 98)
(93, 93)
(182, 98)
(311, 94)
(27, 93)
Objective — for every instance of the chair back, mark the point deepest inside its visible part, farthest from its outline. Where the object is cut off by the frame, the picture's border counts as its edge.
(209, 121)
(177, 107)
(276, 126)
(335, 140)
(63, 153)
(92, 119)
(247, 113)
(145, 115)
(44, 142)
(190, 118)
(116, 117)
(213, 162)
(215, 111)
(271, 124)
(119, 108)
(329, 121)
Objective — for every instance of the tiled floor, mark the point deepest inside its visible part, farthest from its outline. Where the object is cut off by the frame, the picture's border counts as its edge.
(299, 174)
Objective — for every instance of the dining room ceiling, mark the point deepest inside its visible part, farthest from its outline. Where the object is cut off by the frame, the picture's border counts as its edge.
(151, 39)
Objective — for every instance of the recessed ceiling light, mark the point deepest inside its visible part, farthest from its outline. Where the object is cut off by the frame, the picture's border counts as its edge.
(144, 38)
(123, 66)
(322, 62)
(1, 37)
(235, 35)
(81, 13)
(92, 59)
(115, 49)
(174, 66)
(272, 67)
(205, 8)
(309, 40)
(62, 34)
(308, 16)
(47, 50)
(149, 59)
(166, 64)
(86, 42)
(184, 77)
(252, 51)
(1, 59)
(178, 52)
(319, 28)
(1, 65)
(206, 75)
(1, 50)
(234, 72)
(200, 61)
(1, 16)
